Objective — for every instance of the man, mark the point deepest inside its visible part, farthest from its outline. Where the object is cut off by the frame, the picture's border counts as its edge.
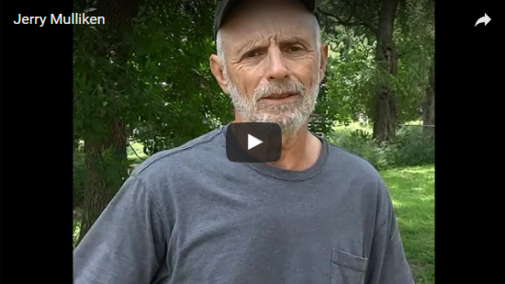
(188, 215)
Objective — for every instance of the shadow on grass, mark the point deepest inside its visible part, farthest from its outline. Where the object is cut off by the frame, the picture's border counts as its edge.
(412, 191)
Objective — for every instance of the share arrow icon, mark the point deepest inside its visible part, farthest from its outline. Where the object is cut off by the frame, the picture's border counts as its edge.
(486, 19)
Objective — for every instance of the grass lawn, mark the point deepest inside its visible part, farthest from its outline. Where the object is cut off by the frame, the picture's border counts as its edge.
(412, 190)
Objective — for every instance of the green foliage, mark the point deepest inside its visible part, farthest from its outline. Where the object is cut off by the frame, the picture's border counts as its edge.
(76, 230)
(354, 75)
(115, 168)
(180, 43)
(351, 75)
(153, 77)
(415, 39)
(79, 179)
(410, 148)
(413, 148)
(156, 77)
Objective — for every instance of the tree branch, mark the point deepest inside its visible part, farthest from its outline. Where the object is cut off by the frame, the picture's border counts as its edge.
(348, 23)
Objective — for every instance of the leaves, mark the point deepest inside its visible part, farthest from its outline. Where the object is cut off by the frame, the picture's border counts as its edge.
(353, 75)
(157, 79)
(121, 75)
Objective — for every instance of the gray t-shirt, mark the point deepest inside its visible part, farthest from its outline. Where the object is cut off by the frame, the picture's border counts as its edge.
(188, 215)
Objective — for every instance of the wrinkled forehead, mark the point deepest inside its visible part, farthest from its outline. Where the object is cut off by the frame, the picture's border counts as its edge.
(263, 19)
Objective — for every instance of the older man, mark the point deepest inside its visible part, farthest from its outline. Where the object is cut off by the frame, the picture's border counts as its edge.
(316, 215)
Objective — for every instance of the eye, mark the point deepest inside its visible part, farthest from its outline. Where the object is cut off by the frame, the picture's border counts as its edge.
(295, 48)
(251, 54)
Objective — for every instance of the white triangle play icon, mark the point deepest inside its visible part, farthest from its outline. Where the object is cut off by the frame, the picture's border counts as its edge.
(252, 142)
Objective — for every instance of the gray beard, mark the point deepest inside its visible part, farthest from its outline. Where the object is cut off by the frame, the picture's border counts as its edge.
(290, 116)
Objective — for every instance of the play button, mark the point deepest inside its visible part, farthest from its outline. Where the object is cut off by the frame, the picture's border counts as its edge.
(250, 142)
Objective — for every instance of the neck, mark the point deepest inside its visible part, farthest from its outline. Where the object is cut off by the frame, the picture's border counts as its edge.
(300, 150)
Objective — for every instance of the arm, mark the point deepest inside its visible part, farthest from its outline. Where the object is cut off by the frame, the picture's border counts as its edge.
(387, 260)
(127, 243)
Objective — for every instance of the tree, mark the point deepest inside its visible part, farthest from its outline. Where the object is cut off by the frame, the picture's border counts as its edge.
(106, 140)
(362, 14)
(389, 85)
(385, 119)
(429, 104)
(142, 76)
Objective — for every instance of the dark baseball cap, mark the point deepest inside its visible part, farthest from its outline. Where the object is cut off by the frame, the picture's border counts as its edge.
(226, 6)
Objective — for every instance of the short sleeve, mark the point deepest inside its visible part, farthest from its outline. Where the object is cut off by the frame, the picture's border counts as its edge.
(127, 243)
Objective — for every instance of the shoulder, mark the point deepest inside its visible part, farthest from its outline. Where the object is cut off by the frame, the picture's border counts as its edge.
(353, 165)
(366, 184)
(165, 162)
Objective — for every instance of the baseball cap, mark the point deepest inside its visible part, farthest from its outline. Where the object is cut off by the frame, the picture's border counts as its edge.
(226, 5)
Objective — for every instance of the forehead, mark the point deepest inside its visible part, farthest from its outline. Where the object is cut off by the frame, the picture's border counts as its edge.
(257, 20)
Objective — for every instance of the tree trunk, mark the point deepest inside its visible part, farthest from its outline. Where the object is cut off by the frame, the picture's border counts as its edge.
(384, 128)
(429, 105)
(105, 168)
(105, 151)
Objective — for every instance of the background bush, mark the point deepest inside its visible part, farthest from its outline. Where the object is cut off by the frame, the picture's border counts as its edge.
(410, 148)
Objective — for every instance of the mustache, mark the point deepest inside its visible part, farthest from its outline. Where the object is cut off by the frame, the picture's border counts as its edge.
(278, 88)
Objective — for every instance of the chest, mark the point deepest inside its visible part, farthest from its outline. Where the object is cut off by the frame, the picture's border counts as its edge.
(225, 226)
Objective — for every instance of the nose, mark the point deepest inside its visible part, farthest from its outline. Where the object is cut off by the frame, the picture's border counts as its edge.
(276, 65)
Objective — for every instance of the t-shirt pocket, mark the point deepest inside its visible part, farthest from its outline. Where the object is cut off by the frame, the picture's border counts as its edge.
(347, 268)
